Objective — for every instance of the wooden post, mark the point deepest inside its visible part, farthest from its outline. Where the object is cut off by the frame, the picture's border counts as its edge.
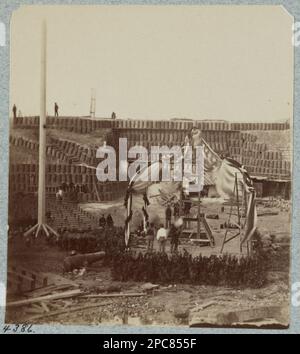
(199, 219)
(180, 202)
(96, 188)
(235, 190)
(237, 199)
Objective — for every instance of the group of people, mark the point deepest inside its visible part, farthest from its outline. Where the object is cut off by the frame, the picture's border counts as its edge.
(14, 110)
(71, 187)
(168, 213)
(171, 230)
(106, 222)
(71, 191)
(162, 234)
(186, 208)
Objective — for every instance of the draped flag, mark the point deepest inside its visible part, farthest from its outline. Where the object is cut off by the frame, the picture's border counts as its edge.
(145, 218)
(128, 218)
(139, 184)
(144, 210)
(146, 200)
(223, 173)
(142, 179)
(224, 179)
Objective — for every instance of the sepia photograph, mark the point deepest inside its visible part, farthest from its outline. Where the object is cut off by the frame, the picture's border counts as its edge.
(150, 166)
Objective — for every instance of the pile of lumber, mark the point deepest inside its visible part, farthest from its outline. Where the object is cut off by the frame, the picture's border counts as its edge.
(61, 296)
(20, 280)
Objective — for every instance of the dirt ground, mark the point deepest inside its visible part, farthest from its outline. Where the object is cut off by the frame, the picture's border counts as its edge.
(277, 225)
(164, 305)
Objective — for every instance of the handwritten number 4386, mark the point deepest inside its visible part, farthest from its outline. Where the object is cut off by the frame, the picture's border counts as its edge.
(18, 328)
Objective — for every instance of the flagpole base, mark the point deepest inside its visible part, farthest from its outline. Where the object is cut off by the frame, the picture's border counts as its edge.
(38, 229)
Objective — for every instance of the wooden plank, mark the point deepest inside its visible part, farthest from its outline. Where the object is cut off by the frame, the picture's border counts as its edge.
(208, 231)
(57, 279)
(63, 295)
(45, 307)
(114, 295)
(48, 290)
(203, 306)
(31, 310)
(67, 310)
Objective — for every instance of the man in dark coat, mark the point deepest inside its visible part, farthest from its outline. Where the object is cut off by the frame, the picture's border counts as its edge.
(174, 235)
(56, 109)
(168, 216)
(150, 234)
(176, 210)
(14, 111)
(109, 221)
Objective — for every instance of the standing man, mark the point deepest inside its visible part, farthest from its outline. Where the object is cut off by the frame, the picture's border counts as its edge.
(176, 211)
(161, 237)
(150, 237)
(109, 221)
(168, 216)
(59, 195)
(14, 109)
(187, 206)
(174, 234)
(56, 109)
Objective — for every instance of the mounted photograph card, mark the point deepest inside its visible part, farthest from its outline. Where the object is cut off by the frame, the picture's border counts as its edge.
(150, 166)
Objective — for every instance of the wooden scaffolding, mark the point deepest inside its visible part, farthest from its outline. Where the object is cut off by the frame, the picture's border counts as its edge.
(202, 233)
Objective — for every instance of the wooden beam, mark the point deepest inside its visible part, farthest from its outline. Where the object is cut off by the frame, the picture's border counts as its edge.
(33, 300)
(67, 310)
(114, 295)
(47, 290)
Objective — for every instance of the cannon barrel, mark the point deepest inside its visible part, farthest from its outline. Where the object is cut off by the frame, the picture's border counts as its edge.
(81, 260)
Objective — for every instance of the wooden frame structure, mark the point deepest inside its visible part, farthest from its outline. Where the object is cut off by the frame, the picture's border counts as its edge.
(201, 220)
(239, 225)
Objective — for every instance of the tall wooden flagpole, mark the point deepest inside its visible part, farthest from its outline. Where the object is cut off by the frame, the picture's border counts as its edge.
(41, 224)
(42, 140)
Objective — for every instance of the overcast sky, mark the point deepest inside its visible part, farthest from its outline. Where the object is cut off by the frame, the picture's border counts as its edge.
(159, 62)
